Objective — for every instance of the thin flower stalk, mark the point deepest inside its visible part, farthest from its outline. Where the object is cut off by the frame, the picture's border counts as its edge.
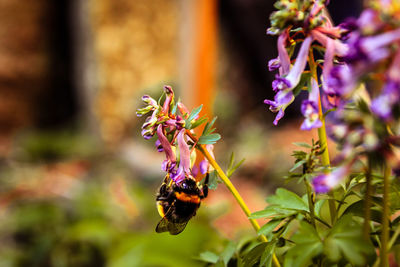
(367, 207)
(323, 140)
(385, 218)
(232, 189)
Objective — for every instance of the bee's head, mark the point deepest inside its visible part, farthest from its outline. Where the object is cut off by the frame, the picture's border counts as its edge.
(188, 185)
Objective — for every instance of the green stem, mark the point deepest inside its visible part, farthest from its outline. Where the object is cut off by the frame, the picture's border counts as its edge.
(367, 207)
(322, 138)
(326, 162)
(310, 202)
(233, 190)
(385, 218)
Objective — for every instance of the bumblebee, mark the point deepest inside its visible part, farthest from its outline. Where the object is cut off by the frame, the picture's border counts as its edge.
(178, 203)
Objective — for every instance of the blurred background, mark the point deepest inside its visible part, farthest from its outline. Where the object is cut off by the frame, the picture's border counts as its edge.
(78, 183)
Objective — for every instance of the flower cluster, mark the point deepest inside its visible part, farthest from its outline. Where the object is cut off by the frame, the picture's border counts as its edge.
(173, 124)
(360, 57)
(304, 22)
(366, 124)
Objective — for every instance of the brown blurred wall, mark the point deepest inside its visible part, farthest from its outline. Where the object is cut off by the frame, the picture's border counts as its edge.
(135, 46)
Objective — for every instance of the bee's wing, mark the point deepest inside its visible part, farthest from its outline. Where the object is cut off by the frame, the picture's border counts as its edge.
(173, 228)
(170, 225)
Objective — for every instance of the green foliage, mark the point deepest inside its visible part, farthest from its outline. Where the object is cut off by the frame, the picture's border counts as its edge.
(345, 241)
(208, 137)
(233, 166)
(308, 245)
(214, 179)
(89, 229)
(192, 116)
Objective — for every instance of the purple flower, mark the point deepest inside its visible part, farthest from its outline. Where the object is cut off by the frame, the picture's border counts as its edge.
(159, 146)
(168, 99)
(340, 48)
(309, 109)
(184, 151)
(281, 101)
(204, 165)
(280, 83)
(274, 64)
(293, 77)
(369, 21)
(341, 81)
(383, 104)
(371, 49)
(284, 85)
(283, 55)
(184, 159)
(171, 158)
(325, 182)
(149, 101)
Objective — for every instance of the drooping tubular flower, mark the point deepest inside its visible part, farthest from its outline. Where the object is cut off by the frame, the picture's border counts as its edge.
(309, 108)
(325, 182)
(383, 105)
(172, 131)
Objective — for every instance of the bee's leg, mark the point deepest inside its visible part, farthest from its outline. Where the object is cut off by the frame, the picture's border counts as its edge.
(207, 179)
(205, 186)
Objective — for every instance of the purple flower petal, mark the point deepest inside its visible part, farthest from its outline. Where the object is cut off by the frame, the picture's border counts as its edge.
(283, 55)
(203, 165)
(383, 104)
(309, 109)
(168, 99)
(280, 83)
(179, 176)
(301, 60)
(159, 146)
(147, 134)
(150, 101)
(341, 49)
(165, 144)
(282, 99)
(324, 183)
(184, 152)
(274, 64)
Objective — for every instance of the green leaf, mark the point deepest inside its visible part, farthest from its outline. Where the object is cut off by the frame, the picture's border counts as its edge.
(298, 164)
(266, 257)
(288, 200)
(198, 122)
(161, 97)
(213, 180)
(308, 245)
(358, 208)
(302, 144)
(269, 227)
(276, 211)
(209, 139)
(208, 128)
(254, 255)
(231, 160)
(230, 171)
(194, 113)
(345, 240)
(228, 252)
(262, 214)
(208, 256)
(318, 206)
(173, 111)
